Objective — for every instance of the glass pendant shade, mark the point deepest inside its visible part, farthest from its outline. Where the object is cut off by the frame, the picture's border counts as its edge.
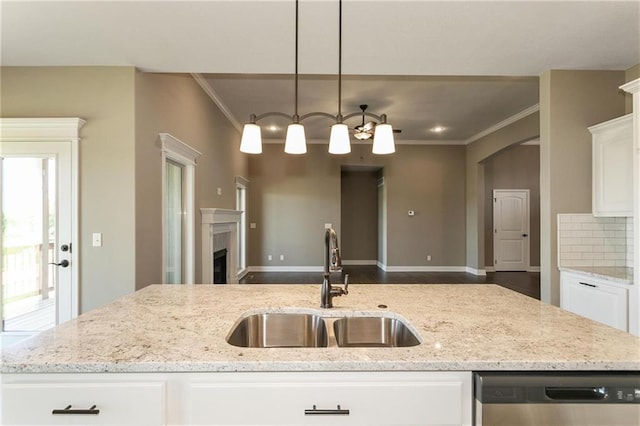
(383, 140)
(295, 142)
(251, 142)
(339, 140)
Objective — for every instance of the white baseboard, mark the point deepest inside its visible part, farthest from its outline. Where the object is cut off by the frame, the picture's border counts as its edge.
(479, 272)
(285, 268)
(474, 271)
(530, 269)
(360, 262)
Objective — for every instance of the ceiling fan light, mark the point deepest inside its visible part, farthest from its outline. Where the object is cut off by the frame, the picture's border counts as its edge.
(251, 142)
(383, 142)
(339, 140)
(295, 142)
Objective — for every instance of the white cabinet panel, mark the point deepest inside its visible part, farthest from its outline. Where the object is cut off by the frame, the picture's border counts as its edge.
(613, 167)
(362, 398)
(33, 403)
(595, 299)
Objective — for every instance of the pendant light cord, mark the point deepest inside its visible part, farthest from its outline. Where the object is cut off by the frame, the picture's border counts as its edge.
(295, 112)
(340, 63)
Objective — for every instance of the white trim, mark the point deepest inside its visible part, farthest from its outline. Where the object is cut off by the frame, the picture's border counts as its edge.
(632, 86)
(360, 262)
(220, 221)
(489, 269)
(242, 181)
(382, 266)
(178, 151)
(474, 271)
(40, 129)
(285, 269)
(504, 123)
(426, 269)
(216, 100)
(533, 269)
(60, 129)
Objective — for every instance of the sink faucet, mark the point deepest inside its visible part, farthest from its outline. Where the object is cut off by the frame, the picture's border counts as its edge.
(332, 263)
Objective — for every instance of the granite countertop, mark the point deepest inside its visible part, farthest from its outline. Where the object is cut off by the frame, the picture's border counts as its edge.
(621, 274)
(182, 328)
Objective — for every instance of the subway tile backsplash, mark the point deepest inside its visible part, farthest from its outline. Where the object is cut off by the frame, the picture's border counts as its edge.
(585, 240)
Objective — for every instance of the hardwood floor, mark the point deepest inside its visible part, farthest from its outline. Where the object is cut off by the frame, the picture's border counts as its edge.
(527, 283)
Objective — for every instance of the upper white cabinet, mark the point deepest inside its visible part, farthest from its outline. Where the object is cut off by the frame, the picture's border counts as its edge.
(613, 167)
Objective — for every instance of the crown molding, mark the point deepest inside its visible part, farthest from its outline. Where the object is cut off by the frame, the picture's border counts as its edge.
(216, 100)
(504, 123)
(632, 86)
(174, 147)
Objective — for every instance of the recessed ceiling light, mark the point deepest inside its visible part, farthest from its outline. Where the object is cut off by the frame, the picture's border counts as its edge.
(438, 129)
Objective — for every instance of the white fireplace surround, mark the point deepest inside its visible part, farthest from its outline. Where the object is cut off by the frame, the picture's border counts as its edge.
(219, 221)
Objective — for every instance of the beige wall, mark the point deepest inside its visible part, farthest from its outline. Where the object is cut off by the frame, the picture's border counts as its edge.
(359, 215)
(515, 167)
(291, 198)
(175, 104)
(105, 98)
(570, 101)
(522, 130)
(120, 161)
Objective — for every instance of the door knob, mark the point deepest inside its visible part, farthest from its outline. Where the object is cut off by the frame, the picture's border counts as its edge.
(525, 235)
(64, 263)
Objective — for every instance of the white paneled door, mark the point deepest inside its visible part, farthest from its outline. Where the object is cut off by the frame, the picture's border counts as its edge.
(511, 229)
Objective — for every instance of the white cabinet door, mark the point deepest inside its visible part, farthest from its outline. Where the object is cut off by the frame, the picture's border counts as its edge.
(595, 299)
(332, 399)
(613, 167)
(98, 403)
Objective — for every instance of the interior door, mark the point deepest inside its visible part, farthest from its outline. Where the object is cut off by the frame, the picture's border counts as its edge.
(511, 229)
(36, 249)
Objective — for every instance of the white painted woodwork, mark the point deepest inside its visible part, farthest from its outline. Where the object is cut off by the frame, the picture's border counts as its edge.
(633, 87)
(597, 299)
(252, 398)
(612, 175)
(119, 403)
(511, 229)
(219, 221)
(371, 398)
(59, 137)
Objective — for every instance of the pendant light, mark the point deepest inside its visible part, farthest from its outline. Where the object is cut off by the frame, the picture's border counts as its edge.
(339, 140)
(339, 143)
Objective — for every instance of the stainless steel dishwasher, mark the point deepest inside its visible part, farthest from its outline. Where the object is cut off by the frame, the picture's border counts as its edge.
(557, 399)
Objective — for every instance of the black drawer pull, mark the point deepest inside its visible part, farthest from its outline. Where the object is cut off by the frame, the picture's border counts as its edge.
(315, 411)
(588, 285)
(69, 410)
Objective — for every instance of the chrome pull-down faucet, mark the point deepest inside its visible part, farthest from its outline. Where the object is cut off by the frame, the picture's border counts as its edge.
(332, 263)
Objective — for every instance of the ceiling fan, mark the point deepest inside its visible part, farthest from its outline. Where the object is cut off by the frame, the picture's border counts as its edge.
(366, 130)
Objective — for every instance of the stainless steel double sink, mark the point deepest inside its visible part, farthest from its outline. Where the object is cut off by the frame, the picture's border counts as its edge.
(300, 330)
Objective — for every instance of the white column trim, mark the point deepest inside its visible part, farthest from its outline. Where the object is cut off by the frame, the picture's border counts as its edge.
(180, 152)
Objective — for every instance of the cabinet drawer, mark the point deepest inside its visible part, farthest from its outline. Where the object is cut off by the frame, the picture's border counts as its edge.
(594, 299)
(118, 403)
(335, 401)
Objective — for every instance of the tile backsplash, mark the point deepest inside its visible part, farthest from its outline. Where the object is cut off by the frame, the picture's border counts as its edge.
(585, 240)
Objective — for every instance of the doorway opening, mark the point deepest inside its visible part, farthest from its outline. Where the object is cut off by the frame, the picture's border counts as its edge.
(361, 212)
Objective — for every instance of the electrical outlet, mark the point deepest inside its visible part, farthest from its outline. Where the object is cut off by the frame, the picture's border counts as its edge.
(252, 225)
(282, 257)
(219, 191)
(269, 257)
(327, 226)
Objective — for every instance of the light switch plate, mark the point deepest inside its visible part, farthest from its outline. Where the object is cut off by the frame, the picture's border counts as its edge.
(252, 225)
(327, 226)
(97, 239)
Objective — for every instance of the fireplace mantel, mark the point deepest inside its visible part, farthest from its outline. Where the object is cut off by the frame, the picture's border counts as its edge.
(219, 221)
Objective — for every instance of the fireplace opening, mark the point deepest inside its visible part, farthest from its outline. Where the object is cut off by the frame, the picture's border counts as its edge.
(220, 267)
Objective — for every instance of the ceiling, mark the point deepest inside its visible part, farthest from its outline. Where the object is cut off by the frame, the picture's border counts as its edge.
(464, 65)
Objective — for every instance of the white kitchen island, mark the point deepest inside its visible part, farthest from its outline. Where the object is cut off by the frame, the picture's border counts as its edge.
(160, 356)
